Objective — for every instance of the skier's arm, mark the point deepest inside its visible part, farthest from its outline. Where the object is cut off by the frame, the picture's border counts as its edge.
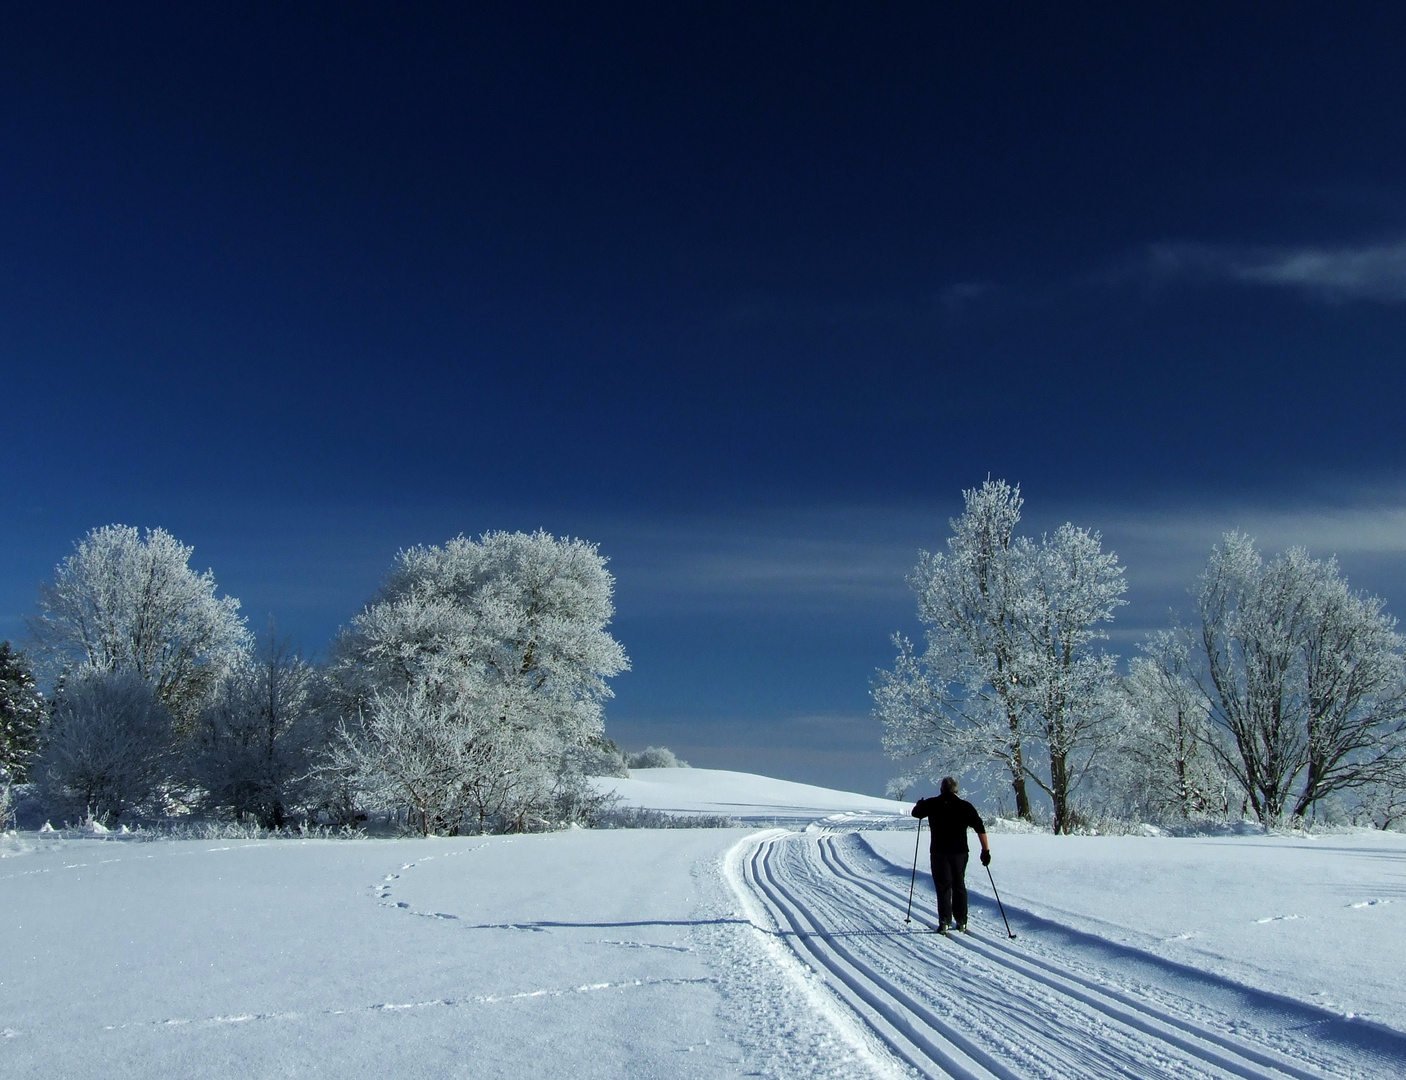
(978, 826)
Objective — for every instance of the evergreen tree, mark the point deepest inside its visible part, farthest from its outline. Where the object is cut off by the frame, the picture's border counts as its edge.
(21, 712)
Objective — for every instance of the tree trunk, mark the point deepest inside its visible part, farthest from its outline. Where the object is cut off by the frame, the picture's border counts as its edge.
(1059, 791)
(1022, 800)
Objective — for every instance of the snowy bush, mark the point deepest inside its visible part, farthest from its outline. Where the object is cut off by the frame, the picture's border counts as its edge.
(474, 679)
(639, 817)
(253, 746)
(124, 603)
(107, 751)
(656, 757)
(451, 773)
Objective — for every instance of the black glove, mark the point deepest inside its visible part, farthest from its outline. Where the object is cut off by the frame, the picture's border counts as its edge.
(986, 858)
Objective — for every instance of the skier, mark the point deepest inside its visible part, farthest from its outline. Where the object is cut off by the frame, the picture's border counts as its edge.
(948, 820)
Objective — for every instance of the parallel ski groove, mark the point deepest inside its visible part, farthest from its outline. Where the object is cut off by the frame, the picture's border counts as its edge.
(1045, 1046)
(1251, 1061)
(919, 1013)
(798, 889)
(920, 1048)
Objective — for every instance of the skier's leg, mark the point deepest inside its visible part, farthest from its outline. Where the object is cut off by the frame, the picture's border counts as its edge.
(942, 881)
(959, 886)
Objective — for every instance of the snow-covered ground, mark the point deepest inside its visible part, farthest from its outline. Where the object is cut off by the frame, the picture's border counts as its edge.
(1322, 919)
(700, 953)
(1100, 980)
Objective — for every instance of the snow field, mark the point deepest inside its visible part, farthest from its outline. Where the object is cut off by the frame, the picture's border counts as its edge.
(1318, 919)
(577, 954)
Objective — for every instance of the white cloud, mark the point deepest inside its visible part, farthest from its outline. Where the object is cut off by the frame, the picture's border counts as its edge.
(849, 561)
(815, 560)
(1165, 550)
(1372, 272)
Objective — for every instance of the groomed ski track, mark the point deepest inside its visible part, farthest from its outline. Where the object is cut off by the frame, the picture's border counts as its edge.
(981, 1007)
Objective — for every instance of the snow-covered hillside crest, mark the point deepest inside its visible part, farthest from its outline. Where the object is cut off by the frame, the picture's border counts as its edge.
(745, 797)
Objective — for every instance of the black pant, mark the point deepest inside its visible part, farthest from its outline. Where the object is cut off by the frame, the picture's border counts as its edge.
(949, 875)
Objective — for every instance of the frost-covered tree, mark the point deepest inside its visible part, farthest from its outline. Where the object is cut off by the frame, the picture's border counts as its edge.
(1304, 678)
(253, 746)
(124, 602)
(957, 704)
(107, 751)
(602, 757)
(1163, 768)
(1354, 690)
(475, 670)
(21, 713)
(1072, 691)
(1009, 669)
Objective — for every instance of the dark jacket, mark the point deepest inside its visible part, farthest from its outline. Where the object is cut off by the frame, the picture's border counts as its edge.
(949, 818)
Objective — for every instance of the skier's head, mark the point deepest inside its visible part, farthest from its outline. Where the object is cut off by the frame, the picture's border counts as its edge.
(949, 785)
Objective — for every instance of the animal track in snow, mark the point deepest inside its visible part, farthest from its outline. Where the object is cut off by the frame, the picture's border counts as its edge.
(644, 945)
(382, 889)
(483, 999)
(422, 914)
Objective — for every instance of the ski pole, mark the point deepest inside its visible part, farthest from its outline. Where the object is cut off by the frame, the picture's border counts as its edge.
(998, 903)
(913, 880)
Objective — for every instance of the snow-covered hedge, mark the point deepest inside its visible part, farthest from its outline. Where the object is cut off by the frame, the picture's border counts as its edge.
(656, 757)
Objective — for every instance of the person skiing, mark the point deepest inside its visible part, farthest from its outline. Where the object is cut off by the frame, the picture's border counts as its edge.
(949, 818)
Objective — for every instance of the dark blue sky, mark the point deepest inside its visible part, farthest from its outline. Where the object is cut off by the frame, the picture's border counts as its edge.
(747, 294)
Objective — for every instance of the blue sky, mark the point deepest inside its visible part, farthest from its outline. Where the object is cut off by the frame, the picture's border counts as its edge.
(745, 293)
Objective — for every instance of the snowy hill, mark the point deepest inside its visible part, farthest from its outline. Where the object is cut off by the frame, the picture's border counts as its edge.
(742, 796)
(702, 953)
